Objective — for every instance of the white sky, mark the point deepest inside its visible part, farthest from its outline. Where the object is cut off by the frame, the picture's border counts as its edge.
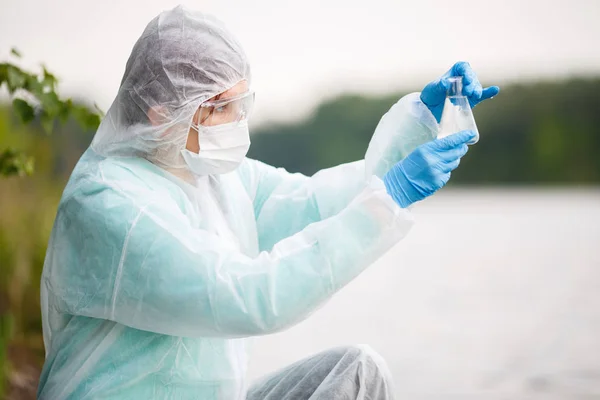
(303, 51)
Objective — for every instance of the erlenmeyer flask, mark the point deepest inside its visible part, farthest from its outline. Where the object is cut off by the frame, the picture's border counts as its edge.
(457, 115)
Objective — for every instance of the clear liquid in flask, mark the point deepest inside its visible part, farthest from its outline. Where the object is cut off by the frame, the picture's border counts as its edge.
(457, 114)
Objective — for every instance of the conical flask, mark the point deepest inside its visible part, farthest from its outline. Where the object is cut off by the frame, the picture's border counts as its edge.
(457, 115)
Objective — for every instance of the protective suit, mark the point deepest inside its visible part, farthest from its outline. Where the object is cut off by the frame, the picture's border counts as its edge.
(151, 282)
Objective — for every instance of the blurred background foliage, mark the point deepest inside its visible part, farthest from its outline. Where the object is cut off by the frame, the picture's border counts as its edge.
(27, 208)
(540, 133)
(34, 98)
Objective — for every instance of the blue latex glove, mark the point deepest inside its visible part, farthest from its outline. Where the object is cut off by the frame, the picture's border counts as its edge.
(434, 94)
(426, 169)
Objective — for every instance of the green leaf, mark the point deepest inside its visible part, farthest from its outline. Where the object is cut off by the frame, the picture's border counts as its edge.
(3, 73)
(80, 112)
(28, 165)
(23, 110)
(48, 79)
(93, 121)
(50, 103)
(15, 52)
(33, 86)
(15, 78)
(87, 119)
(65, 111)
(13, 162)
(47, 122)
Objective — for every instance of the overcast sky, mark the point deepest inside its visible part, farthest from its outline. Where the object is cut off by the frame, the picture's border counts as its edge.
(302, 51)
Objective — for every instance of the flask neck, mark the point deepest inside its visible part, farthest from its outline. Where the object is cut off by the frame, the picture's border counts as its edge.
(456, 86)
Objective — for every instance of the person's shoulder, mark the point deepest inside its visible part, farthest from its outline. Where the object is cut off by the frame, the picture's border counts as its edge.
(133, 179)
(110, 194)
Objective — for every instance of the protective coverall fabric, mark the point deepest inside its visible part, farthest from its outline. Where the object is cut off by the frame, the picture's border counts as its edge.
(148, 281)
(152, 283)
(407, 125)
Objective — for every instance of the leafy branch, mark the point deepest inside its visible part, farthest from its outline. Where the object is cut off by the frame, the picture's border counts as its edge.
(35, 98)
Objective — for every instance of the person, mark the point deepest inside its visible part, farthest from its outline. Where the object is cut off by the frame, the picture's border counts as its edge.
(170, 247)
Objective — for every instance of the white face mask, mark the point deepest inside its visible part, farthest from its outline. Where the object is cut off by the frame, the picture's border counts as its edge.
(222, 148)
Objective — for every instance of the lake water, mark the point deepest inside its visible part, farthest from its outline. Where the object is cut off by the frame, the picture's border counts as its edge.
(495, 294)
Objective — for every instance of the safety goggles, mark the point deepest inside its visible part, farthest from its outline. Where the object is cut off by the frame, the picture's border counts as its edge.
(225, 111)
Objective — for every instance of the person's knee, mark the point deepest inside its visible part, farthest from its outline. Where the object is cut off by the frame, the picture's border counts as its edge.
(371, 372)
(366, 355)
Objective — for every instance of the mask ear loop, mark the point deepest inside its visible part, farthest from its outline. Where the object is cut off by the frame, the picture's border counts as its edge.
(193, 126)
